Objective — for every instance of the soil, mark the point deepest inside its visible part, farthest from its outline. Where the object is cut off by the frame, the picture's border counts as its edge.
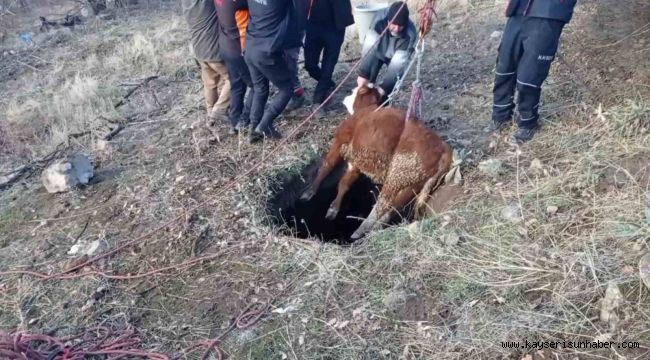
(203, 194)
(635, 169)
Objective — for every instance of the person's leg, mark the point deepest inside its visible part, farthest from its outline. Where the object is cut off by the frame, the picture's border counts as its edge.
(333, 42)
(210, 80)
(505, 76)
(220, 106)
(540, 40)
(250, 95)
(292, 57)
(314, 44)
(260, 89)
(244, 119)
(275, 69)
(237, 88)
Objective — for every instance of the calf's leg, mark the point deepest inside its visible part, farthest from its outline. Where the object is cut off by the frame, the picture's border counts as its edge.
(388, 201)
(332, 159)
(351, 175)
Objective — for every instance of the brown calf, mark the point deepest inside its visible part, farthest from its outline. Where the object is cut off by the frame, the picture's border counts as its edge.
(407, 157)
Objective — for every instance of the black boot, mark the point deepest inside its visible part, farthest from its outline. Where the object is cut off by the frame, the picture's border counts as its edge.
(497, 125)
(265, 129)
(523, 135)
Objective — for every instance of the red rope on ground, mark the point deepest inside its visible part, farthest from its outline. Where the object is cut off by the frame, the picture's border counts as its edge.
(25, 346)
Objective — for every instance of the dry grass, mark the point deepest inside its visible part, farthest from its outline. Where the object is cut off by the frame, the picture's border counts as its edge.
(61, 97)
(580, 191)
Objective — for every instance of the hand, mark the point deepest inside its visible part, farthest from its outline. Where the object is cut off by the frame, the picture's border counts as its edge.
(361, 81)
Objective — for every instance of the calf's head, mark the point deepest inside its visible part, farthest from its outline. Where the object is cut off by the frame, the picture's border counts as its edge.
(362, 97)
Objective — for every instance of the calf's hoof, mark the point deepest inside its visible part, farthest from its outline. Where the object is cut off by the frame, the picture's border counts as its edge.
(307, 195)
(331, 213)
(356, 236)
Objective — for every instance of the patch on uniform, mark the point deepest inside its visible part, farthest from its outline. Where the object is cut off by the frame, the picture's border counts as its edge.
(545, 57)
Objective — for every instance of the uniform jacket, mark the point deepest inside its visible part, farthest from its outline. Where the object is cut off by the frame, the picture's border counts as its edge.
(561, 10)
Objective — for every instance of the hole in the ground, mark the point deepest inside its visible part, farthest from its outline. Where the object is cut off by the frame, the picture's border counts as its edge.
(307, 219)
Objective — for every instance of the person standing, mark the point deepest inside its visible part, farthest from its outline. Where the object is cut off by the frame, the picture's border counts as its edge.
(528, 47)
(233, 21)
(327, 21)
(201, 17)
(274, 26)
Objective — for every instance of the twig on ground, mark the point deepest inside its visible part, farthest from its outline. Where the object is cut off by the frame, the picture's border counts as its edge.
(130, 92)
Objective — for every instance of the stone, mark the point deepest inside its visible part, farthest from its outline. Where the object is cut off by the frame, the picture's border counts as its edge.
(414, 230)
(450, 239)
(102, 145)
(536, 166)
(64, 175)
(552, 210)
(644, 270)
(496, 34)
(85, 248)
(491, 167)
(610, 303)
(511, 213)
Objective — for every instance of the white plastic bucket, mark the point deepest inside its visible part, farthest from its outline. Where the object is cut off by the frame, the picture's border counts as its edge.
(363, 15)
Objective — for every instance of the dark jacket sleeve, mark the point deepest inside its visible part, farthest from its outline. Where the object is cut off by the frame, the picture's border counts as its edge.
(342, 13)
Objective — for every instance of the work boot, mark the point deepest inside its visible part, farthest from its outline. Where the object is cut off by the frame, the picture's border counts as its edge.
(523, 135)
(321, 113)
(496, 125)
(216, 116)
(295, 103)
(320, 96)
(269, 132)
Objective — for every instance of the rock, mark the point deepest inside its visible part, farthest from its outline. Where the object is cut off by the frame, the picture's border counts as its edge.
(511, 213)
(108, 15)
(395, 299)
(496, 34)
(85, 248)
(491, 167)
(66, 174)
(451, 238)
(611, 302)
(551, 210)
(414, 230)
(536, 166)
(86, 11)
(102, 145)
(644, 270)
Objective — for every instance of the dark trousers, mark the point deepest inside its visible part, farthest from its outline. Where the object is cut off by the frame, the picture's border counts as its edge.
(326, 41)
(240, 80)
(527, 49)
(265, 67)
